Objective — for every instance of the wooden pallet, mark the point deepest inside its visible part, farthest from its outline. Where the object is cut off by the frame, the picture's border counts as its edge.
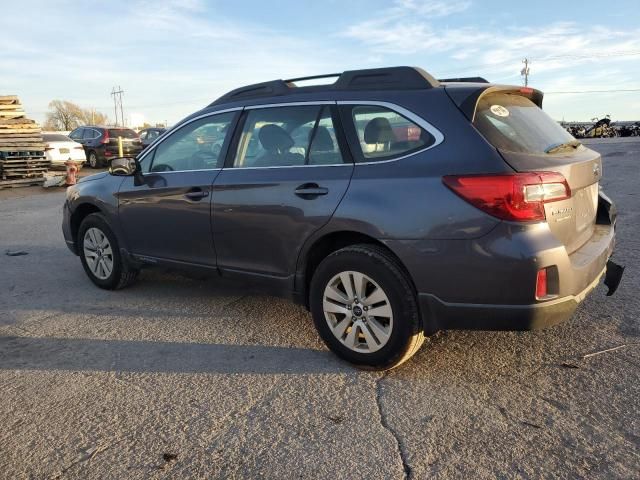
(21, 182)
(21, 144)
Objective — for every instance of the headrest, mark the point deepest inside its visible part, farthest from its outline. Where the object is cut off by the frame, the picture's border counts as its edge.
(275, 139)
(322, 141)
(378, 130)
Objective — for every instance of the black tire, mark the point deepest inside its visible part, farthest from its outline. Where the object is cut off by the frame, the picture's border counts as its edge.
(93, 160)
(407, 334)
(122, 273)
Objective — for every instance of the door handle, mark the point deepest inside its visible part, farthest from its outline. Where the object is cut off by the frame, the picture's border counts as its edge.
(311, 190)
(196, 194)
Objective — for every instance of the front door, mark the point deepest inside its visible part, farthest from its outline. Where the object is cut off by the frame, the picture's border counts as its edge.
(283, 180)
(166, 212)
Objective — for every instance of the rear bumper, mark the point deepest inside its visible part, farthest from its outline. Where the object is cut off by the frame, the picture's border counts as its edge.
(489, 282)
(445, 315)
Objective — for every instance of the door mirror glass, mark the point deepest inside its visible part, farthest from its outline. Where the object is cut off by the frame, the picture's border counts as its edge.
(124, 166)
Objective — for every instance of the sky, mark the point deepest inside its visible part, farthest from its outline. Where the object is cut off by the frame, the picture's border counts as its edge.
(173, 57)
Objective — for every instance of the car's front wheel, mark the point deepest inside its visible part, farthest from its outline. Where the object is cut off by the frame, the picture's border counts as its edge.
(364, 307)
(100, 254)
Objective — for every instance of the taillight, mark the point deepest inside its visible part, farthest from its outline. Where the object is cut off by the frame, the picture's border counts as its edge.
(105, 139)
(541, 283)
(518, 197)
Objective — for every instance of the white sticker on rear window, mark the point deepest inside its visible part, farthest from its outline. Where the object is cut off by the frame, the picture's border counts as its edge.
(499, 110)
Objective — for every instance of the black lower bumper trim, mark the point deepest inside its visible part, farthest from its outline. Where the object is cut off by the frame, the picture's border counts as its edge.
(613, 277)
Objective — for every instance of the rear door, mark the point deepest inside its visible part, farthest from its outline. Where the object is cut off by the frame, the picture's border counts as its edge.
(529, 140)
(166, 212)
(283, 180)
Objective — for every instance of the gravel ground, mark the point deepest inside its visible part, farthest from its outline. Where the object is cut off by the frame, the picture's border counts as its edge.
(176, 377)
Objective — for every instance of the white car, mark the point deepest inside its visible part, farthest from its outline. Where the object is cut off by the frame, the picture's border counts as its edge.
(59, 148)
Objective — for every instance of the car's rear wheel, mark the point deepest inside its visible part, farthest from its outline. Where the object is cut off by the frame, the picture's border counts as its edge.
(93, 160)
(100, 254)
(364, 307)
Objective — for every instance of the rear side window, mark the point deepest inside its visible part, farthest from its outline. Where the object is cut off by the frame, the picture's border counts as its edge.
(122, 132)
(514, 123)
(384, 134)
(90, 134)
(288, 136)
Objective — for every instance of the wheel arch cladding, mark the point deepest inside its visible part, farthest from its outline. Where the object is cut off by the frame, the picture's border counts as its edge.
(332, 242)
(79, 214)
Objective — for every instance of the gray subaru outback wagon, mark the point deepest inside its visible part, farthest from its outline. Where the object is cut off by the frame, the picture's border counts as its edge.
(389, 203)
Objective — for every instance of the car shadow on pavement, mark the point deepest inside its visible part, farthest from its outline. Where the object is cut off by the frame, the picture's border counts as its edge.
(80, 354)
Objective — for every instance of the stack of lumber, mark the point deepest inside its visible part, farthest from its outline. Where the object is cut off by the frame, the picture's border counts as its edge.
(22, 157)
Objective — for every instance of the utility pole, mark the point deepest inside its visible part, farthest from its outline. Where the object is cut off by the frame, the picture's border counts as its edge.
(117, 103)
(525, 71)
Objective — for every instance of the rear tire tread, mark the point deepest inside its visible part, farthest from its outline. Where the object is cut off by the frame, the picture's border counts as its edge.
(380, 255)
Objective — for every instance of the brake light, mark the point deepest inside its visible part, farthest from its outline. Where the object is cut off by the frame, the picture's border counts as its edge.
(517, 197)
(541, 283)
(107, 153)
(526, 90)
(105, 139)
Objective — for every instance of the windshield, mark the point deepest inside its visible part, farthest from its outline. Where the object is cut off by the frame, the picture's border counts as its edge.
(514, 123)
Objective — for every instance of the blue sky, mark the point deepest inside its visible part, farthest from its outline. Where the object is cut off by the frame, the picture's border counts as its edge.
(172, 57)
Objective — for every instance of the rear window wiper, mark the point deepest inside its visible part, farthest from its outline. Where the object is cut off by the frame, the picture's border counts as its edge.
(561, 146)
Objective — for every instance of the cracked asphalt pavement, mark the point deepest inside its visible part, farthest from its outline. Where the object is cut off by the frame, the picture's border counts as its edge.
(177, 377)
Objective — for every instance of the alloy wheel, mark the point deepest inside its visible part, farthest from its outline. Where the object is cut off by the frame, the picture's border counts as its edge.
(358, 312)
(98, 253)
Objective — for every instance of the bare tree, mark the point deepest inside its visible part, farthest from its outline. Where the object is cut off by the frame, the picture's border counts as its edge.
(89, 116)
(65, 115)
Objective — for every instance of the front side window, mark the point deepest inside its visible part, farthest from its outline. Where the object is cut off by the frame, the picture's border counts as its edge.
(384, 134)
(196, 146)
(76, 134)
(288, 136)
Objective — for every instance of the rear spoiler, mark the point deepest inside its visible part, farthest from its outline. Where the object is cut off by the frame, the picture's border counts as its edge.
(466, 97)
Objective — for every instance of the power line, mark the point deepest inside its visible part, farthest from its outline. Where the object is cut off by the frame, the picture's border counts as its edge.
(512, 60)
(596, 91)
(117, 102)
(525, 71)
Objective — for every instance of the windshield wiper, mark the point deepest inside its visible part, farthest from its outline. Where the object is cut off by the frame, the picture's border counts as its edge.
(561, 146)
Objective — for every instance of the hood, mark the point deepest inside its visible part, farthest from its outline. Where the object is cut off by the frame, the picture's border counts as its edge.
(95, 176)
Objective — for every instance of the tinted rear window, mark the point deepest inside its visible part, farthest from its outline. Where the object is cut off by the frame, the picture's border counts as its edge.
(514, 123)
(55, 137)
(122, 132)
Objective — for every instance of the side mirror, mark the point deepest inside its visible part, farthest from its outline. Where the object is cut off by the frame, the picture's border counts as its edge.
(124, 166)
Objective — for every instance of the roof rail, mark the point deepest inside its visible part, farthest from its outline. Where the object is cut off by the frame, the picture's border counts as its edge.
(392, 78)
(464, 80)
(313, 77)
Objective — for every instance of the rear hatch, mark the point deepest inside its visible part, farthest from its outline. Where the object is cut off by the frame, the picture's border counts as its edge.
(130, 140)
(529, 140)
